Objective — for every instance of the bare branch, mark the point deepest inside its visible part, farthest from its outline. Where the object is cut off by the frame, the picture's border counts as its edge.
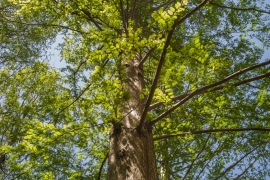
(240, 9)
(233, 165)
(246, 80)
(2, 113)
(180, 97)
(101, 167)
(161, 62)
(211, 131)
(250, 165)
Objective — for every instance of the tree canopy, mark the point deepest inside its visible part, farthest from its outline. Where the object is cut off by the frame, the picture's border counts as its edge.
(206, 86)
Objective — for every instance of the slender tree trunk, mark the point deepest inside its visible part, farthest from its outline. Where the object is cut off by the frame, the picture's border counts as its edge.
(131, 155)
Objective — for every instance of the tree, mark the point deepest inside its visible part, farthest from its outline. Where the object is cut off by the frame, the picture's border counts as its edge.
(151, 89)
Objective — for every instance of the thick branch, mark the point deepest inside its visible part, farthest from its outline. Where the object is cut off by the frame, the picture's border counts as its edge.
(161, 62)
(240, 9)
(154, 85)
(146, 56)
(88, 14)
(203, 90)
(124, 18)
(180, 97)
(211, 131)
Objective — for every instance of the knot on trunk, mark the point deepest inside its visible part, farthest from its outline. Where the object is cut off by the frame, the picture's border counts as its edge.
(121, 153)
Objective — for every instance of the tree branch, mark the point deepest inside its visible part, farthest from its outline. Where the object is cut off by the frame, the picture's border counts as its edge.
(108, 25)
(250, 165)
(46, 25)
(204, 89)
(146, 56)
(83, 62)
(133, 10)
(233, 165)
(101, 167)
(124, 20)
(211, 131)
(164, 5)
(85, 89)
(197, 157)
(154, 84)
(161, 62)
(180, 97)
(88, 14)
(241, 9)
(178, 22)
(209, 160)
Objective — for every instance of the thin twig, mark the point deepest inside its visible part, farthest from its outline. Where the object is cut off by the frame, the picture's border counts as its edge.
(164, 5)
(74, 130)
(233, 165)
(240, 9)
(198, 155)
(209, 160)
(47, 25)
(250, 165)
(85, 89)
(211, 131)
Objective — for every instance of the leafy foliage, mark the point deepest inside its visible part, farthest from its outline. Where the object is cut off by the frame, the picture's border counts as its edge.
(55, 123)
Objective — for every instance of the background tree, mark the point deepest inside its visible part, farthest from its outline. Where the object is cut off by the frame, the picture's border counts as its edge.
(158, 89)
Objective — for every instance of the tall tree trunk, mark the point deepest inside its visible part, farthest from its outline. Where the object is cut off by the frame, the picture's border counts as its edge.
(131, 154)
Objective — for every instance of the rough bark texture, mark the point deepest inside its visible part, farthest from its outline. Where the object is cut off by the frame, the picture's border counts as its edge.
(131, 155)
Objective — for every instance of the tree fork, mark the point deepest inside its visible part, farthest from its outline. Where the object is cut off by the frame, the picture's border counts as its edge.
(131, 155)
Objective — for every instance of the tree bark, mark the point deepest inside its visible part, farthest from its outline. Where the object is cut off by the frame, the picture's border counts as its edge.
(131, 154)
